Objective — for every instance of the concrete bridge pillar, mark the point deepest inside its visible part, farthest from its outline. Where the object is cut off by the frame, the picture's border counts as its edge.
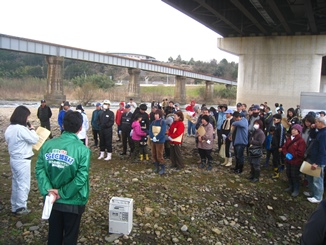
(209, 91)
(180, 90)
(133, 86)
(54, 92)
(276, 69)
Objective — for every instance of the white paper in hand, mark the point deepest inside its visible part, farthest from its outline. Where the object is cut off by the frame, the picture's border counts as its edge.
(47, 207)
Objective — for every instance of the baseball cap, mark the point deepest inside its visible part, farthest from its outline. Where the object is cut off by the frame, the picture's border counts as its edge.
(176, 104)
(228, 111)
(43, 101)
(98, 104)
(239, 104)
(256, 107)
(127, 106)
(66, 103)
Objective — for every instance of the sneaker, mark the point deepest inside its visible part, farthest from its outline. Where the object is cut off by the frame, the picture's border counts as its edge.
(22, 211)
(307, 193)
(313, 200)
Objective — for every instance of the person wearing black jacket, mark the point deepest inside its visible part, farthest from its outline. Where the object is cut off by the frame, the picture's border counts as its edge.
(277, 143)
(106, 122)
(44, 113)
(125, 130)
(314, 231)
(144, 123)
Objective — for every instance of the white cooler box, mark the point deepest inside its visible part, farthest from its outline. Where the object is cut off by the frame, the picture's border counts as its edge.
(120, 215)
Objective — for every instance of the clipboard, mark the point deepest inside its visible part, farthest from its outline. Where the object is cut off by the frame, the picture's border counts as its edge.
(201, 130)
(43, 134)
(306, 169)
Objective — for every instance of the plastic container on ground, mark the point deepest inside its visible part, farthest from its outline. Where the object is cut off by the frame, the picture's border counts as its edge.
(121, 215)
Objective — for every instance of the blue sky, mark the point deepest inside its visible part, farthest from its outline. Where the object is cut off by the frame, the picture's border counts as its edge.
(148, 27)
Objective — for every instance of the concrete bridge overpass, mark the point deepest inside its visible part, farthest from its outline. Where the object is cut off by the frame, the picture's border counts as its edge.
(281, 44)
(55, 55)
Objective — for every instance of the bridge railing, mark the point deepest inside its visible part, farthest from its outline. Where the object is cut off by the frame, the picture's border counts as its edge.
(38, 47)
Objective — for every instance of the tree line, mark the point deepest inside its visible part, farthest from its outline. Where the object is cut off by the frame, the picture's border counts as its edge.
(89, 76)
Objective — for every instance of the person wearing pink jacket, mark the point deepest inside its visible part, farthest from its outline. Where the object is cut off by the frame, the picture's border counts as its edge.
(136, 135)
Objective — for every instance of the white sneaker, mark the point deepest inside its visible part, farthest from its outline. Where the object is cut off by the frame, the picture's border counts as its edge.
(307, 193)
(313, 200)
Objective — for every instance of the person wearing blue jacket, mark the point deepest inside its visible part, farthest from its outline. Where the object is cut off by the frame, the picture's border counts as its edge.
(239, 137)
(316, 184)
(157, 131)
(66, 107)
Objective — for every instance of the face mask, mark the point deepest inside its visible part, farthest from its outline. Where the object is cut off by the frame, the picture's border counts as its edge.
(256, 126)
(105, 107)
(255, 114)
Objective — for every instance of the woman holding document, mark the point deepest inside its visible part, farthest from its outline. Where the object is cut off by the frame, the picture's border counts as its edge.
(175, 135)
(20, 137)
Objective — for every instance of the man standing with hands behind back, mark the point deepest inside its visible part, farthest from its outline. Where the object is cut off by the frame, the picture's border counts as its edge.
(62, 171)
(44, 113)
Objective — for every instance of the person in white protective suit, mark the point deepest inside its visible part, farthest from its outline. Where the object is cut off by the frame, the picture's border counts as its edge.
(20, 137)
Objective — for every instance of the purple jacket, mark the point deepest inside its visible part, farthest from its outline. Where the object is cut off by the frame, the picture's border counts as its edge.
(137, 131)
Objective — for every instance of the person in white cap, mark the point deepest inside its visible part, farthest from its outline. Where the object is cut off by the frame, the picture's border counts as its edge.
(106, 122)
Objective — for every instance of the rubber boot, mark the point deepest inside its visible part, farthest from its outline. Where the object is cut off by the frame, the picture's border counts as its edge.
(162, 170)
(256, 176)
(276, 174)
(146, 157)
(101, 155)
(295, 192)
(156, 167)
(209, 167)
(252, 173)
(108, 157)
(203, 163)
(141, 157)
(266, 163)
(289, 189)
(229, 164)
(225, 161)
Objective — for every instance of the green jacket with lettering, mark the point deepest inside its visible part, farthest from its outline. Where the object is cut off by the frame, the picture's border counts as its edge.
(63, 164)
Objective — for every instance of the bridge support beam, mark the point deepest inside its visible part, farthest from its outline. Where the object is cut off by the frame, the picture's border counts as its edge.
(180, 90)
(54, 92)
(276, 69)
(209, 91)
(133, 86)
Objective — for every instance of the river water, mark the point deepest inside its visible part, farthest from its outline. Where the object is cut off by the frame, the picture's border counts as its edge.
(36, 104)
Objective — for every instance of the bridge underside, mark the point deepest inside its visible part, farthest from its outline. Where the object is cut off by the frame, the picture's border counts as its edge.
(280, 44)
(244, 18)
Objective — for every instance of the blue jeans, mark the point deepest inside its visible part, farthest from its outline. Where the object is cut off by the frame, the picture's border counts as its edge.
(316, 185)
(191, 128)
(239, 156)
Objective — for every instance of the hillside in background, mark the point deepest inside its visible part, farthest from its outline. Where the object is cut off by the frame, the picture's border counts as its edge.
(84, 81)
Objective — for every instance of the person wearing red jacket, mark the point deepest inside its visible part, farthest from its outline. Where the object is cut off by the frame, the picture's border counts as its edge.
(190, 115)
(118, 115)
(175, 136)
(293, 150)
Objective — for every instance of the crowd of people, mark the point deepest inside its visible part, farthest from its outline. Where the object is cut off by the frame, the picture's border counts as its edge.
(285, 137)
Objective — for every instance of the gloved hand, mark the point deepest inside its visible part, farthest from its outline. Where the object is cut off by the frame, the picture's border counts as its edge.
(169, 138)
(223, 136)
(288, 156)
(154, 139)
